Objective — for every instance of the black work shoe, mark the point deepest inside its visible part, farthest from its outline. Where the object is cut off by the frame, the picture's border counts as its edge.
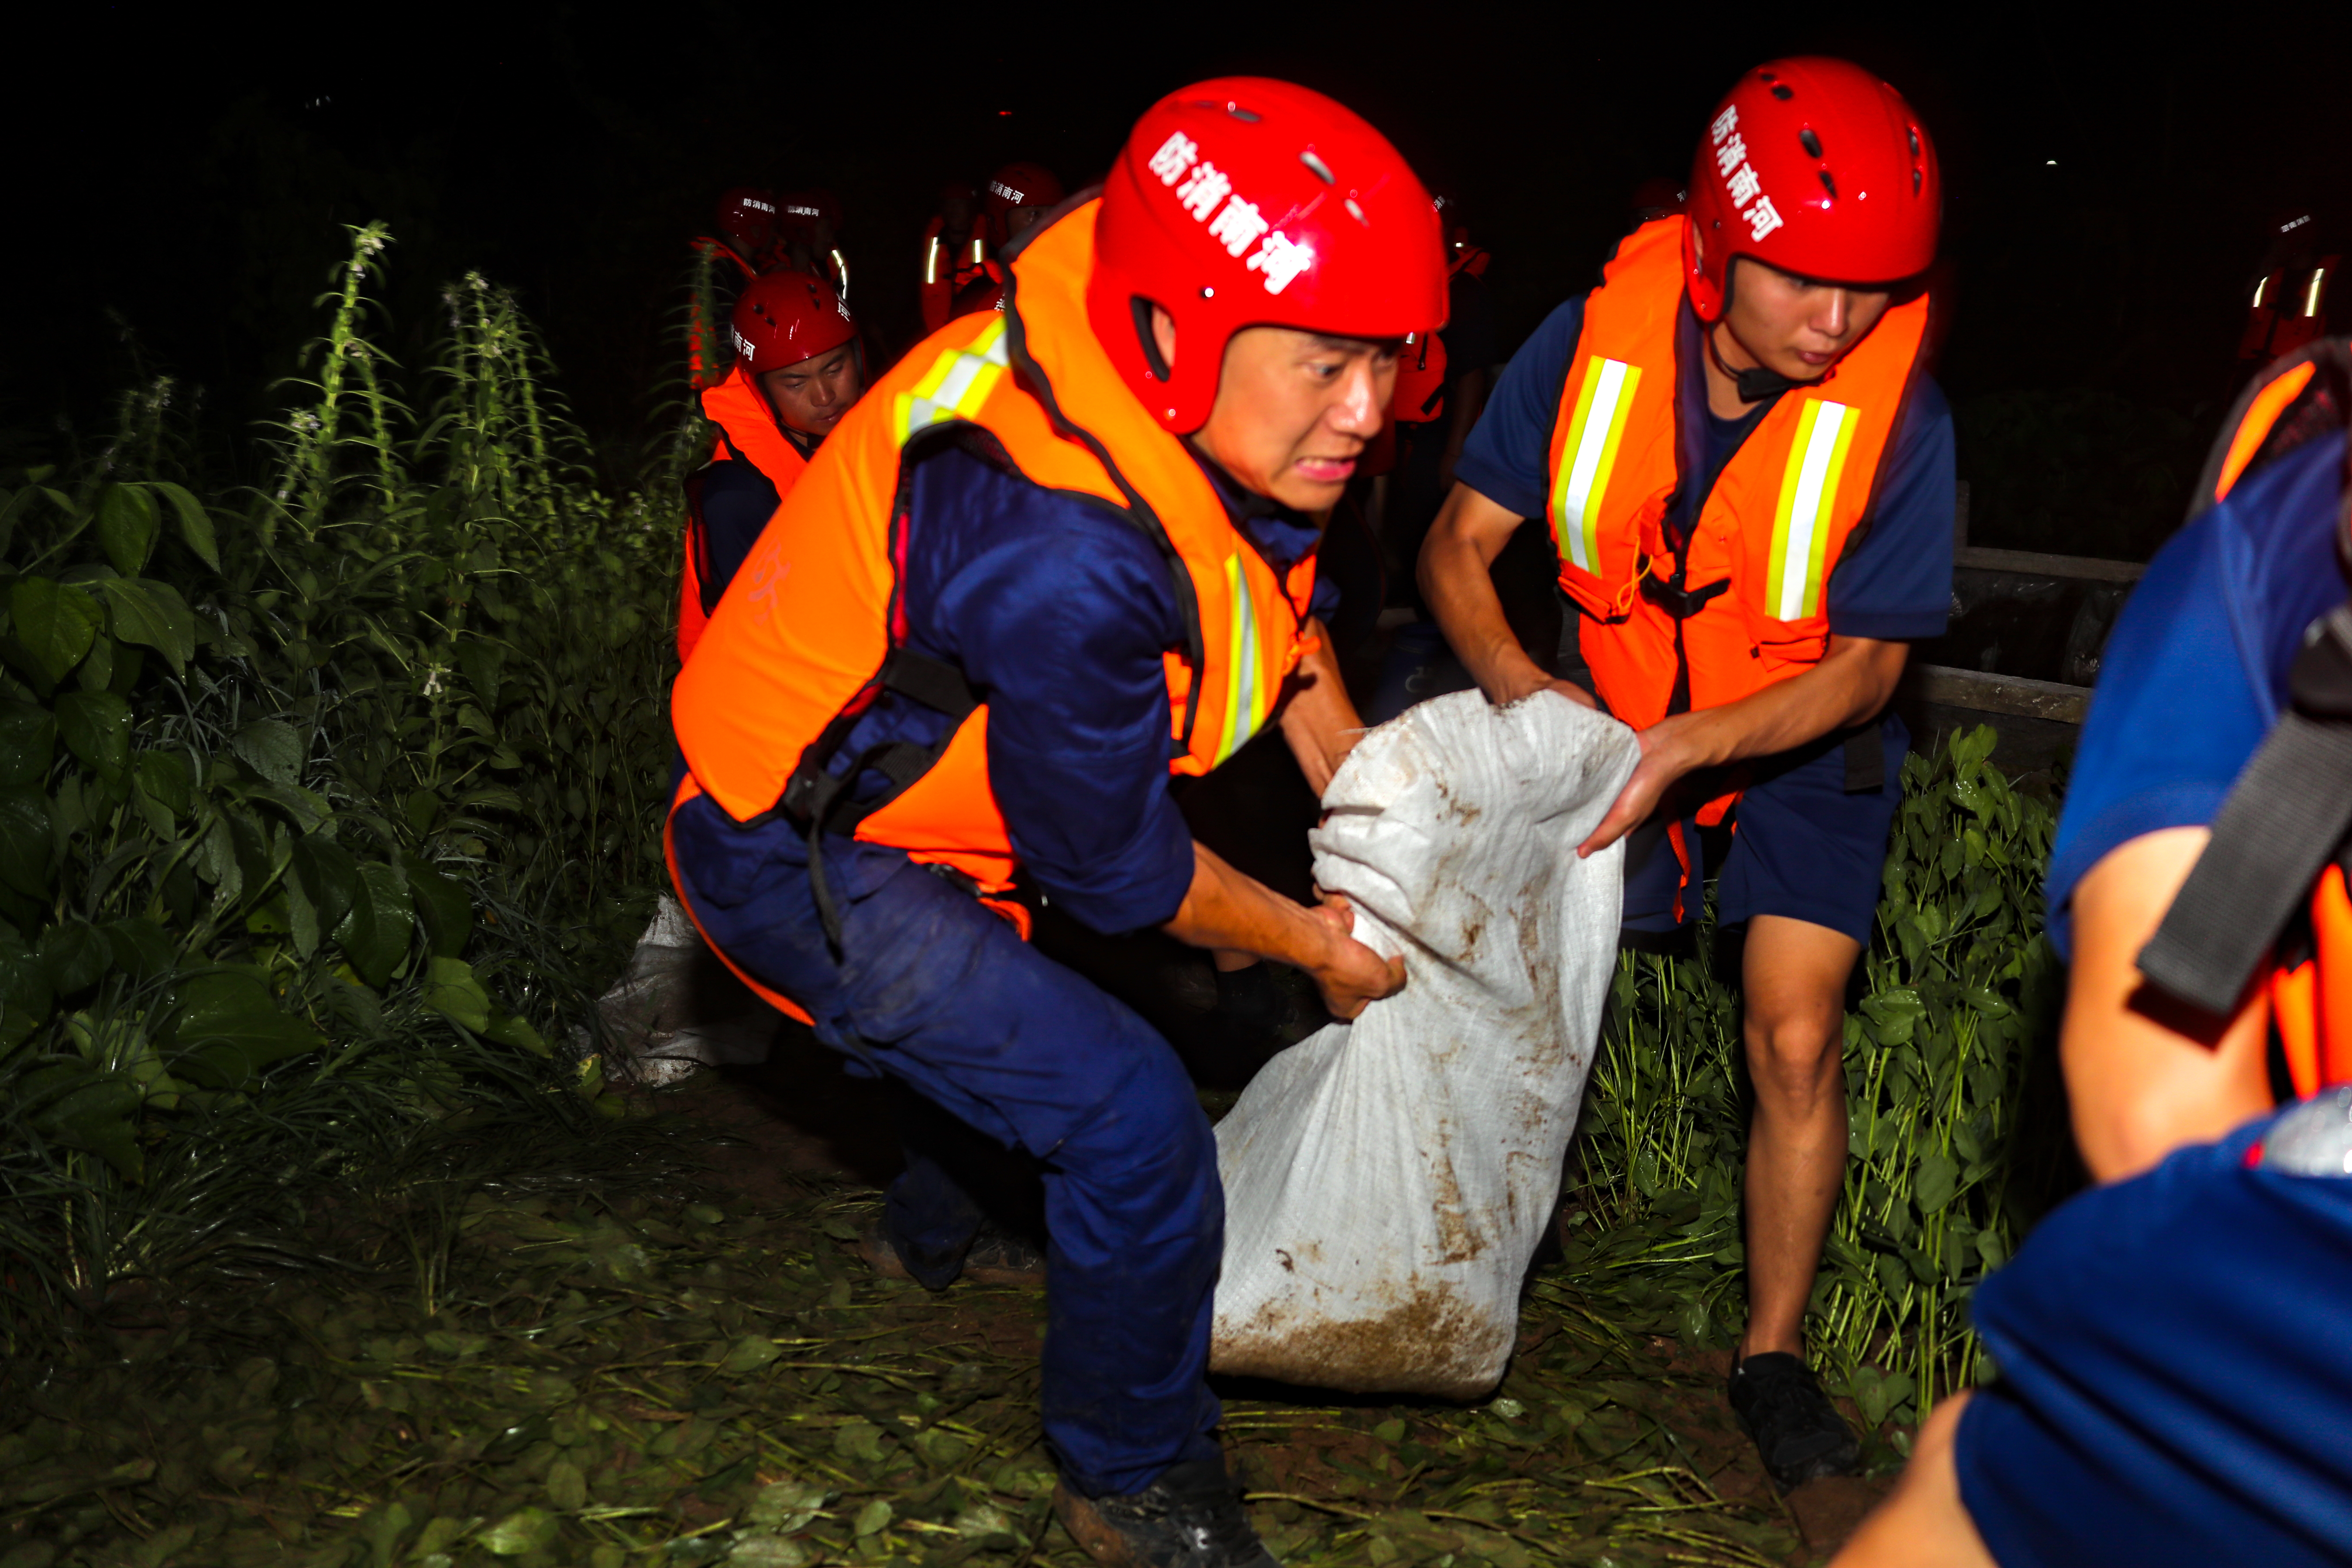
(1797, 1430)
(1189, 1518)
(995, 1258)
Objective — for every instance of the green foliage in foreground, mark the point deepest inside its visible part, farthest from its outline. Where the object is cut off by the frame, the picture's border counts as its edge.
(672, 1380)
(312, 802)
(1958, 990)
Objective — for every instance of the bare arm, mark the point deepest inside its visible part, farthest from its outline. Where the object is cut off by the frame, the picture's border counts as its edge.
(1460, 550)
(1853, 682)
(1319, 720)
(1226, 910)
(2144, 1075)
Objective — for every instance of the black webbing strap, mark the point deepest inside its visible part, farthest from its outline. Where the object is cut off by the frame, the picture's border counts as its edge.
(2283, 821)
(819, 800)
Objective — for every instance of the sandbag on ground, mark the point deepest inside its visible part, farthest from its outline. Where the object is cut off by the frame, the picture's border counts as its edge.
(1386, 1182)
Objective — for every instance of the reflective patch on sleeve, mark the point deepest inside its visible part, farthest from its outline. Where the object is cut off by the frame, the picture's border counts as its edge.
(956, 385)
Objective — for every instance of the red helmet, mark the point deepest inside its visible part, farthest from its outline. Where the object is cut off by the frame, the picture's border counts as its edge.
(747, 216)
(782, 317)
(800, 212)
(1819, 168)
(1243, 201)
(1020, 186)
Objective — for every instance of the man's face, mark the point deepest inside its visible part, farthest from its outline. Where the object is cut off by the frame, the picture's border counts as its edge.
(1019, 221)
(1795, 325)
(811, 395)
(1294, 409)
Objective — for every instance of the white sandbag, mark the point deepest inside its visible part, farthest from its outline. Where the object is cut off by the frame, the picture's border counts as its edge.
(1387, 1182)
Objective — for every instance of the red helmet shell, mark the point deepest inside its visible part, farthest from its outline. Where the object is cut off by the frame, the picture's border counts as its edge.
(747, 214)
(782, 317)
(1021, 185)
(1817, 167)
(1244, 202)
(800, 212)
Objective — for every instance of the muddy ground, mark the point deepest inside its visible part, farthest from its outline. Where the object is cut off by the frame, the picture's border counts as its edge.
(698, 1368)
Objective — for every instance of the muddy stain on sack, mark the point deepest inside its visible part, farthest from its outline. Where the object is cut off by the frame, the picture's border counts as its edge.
(1430, 1343)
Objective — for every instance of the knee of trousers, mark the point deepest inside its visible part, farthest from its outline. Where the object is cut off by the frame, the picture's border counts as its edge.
(1144, 1163)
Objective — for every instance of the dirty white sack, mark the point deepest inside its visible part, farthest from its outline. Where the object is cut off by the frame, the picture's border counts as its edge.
(1387, 1181)
(677, 1008)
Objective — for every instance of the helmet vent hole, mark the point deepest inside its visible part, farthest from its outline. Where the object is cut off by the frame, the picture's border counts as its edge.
(1358, 213)
(1813, 144)
(1827, 184)
(1243, 115)
(1783, 92)
(1914, 142)
(1321, 170)
(1914, 182)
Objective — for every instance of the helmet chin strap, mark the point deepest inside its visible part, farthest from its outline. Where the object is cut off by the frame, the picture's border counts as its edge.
(1755, 385)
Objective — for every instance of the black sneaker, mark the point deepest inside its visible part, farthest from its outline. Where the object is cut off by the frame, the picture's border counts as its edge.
(1189, 1518)
(1797, 1430)
(995, 1258)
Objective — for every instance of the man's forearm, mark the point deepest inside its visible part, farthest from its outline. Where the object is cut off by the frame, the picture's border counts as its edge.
(1852, 684)
(1456, 561)
(1319, 721)
(1224, 909)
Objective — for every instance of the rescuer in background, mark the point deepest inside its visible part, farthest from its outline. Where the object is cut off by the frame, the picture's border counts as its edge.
(1749, 486)
(953, 240)
(2175, 1380)
(1054, 546)
(797, 371)
(747, 228)
(808, 236)
(1017, 195)
(2287, 300)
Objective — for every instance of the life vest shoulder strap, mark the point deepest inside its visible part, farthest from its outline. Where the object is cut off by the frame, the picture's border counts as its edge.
(2283, 820)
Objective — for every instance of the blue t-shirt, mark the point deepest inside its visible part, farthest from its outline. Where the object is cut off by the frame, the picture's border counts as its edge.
(2195, 673)
(1894, 581)
(736, 501)
(1057, 609)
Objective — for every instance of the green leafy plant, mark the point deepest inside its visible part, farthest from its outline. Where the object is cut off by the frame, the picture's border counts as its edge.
(320, 807)
(1957, 990)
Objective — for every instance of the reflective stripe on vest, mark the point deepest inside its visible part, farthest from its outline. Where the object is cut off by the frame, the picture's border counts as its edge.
(796, 649)
(1771, 529)
(1596, 428)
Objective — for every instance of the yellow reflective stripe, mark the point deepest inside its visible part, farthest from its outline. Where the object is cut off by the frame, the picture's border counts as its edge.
(956, 385)
(1801, 524)
(1594, 431)
(1245, 681)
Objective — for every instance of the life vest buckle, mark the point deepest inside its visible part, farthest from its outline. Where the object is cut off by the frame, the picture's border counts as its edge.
(1679, 602)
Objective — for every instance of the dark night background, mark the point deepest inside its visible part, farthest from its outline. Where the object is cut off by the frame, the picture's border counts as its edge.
(2109, 181)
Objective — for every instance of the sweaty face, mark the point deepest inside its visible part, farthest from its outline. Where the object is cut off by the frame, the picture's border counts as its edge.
(1294, 410)
(811, 395)
(1795, 325)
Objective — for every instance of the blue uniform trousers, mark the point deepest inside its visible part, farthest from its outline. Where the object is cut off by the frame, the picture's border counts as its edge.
(944, 997)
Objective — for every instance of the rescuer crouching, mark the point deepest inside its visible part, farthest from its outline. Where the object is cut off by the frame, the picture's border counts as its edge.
(1061, 553)
(799, 367)
(1748, 479)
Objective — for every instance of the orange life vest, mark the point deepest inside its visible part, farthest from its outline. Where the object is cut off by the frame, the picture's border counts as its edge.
(1744, 604)
(809, 634)
(2268, 894)
(747, 433)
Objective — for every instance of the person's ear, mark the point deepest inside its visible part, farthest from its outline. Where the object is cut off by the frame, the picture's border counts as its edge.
(1164, 335)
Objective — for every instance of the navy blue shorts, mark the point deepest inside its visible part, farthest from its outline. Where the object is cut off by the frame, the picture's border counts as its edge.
(1800, 846)
(2176, 1376)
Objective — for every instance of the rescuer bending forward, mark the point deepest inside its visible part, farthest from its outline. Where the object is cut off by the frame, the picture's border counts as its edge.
(1059, 553)
(798, 369)
(1748, 479)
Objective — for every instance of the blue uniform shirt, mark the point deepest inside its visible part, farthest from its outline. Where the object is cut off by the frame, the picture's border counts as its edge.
(736, 501)
(2195, 673)
(1894, 580)
(1057, 610)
